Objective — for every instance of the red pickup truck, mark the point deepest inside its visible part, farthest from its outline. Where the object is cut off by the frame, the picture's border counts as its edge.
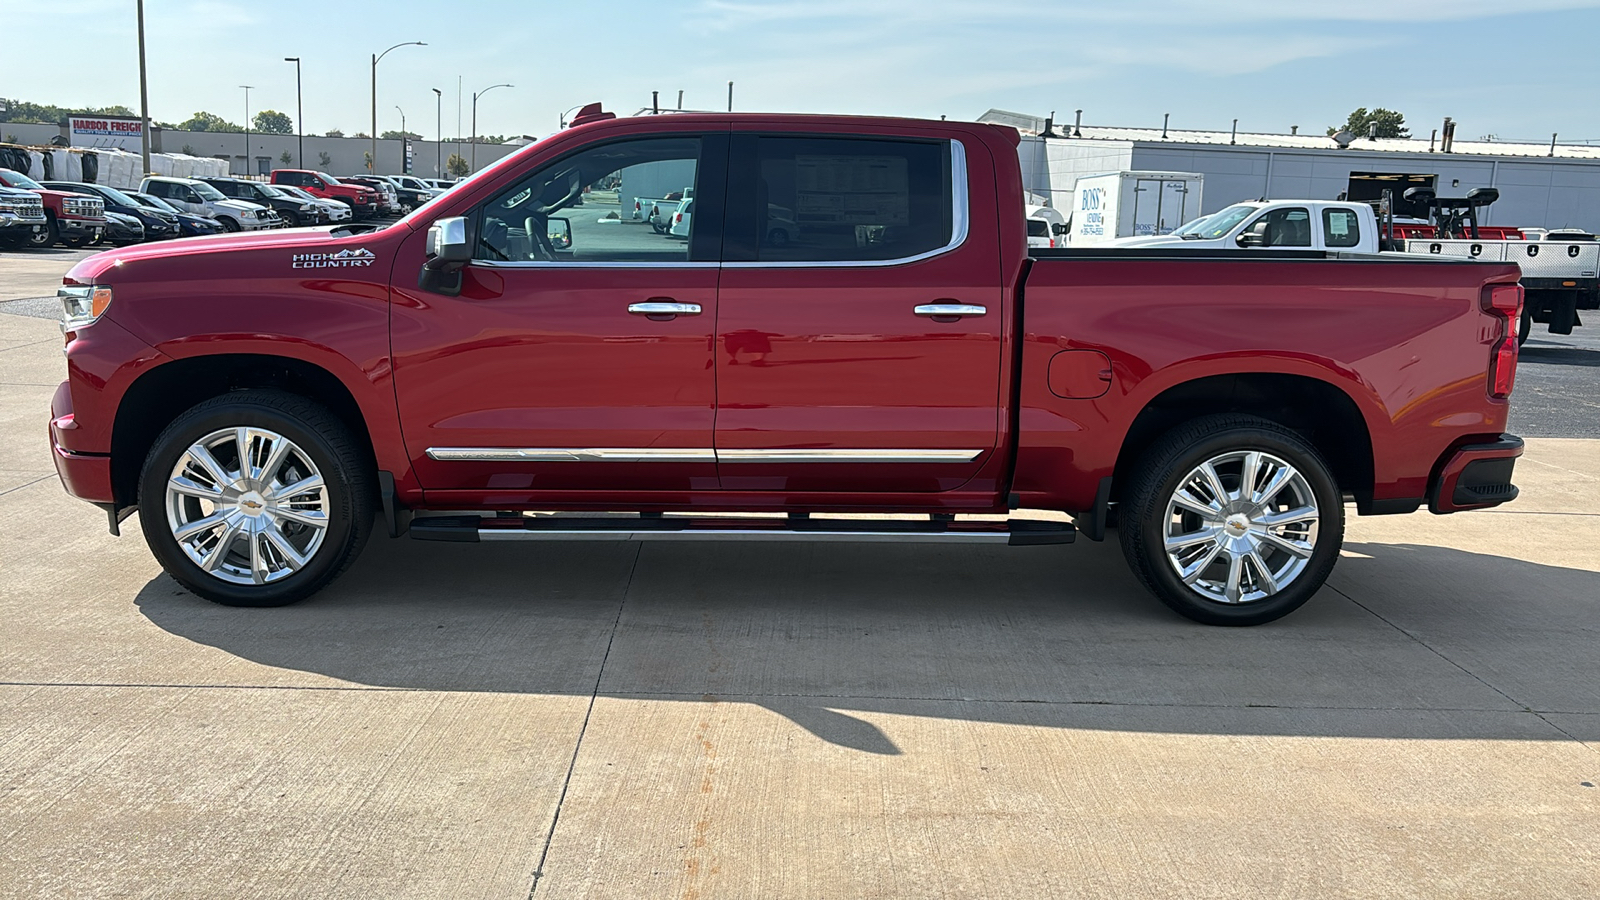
(362, 200)
(265, 400)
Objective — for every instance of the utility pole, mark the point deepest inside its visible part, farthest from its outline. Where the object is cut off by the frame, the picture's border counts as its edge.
(375, 58)
(730, 96)
(299, 110)
(144, 98)
(438, 133)
(475, 97)
(247, 88)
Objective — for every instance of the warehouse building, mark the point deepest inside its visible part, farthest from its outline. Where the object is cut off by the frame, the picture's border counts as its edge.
(1548, 185)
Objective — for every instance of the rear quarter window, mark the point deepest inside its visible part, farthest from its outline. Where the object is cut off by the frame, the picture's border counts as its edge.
(1341, 227)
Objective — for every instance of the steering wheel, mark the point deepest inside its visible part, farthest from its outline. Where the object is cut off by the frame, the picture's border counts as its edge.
(538, 228)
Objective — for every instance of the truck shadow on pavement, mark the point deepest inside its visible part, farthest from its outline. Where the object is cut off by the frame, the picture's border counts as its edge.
(1406, 641)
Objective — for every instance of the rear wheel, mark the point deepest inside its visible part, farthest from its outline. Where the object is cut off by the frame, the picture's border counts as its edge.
(1525, 326)
(255, 498)
(1232, 520)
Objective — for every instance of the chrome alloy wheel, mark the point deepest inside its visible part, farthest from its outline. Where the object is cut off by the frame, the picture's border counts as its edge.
(247, 505)
(1241, 527)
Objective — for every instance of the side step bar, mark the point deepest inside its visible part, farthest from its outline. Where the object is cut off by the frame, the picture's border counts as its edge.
(472, 529)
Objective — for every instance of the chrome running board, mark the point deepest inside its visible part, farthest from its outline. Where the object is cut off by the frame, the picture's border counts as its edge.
(473, 529)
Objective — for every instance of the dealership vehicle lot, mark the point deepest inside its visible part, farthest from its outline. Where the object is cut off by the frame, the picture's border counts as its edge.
(802, 720)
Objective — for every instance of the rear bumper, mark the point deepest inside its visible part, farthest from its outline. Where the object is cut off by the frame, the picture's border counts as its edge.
(1476, 476)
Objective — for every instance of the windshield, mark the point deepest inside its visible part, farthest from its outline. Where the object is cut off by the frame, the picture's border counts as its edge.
(268, 190)
(1219, 224)
(294, 192)
(116, 196)
(206, 191)
(13, 178)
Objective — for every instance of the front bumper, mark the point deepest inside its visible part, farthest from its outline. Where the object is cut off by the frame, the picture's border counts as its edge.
(86, 476)
(90, 228)
(24, 224)
(1476, 476)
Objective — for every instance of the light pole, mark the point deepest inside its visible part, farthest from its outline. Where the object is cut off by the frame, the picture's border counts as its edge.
(563, 116)
(475, 97)
(405, 140)
(375, 58)
(144, 98)
(247, 88)
(299, 110)
(438, 132)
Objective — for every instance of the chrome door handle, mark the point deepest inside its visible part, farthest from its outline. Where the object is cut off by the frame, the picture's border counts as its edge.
(664, 309)
(953, 310)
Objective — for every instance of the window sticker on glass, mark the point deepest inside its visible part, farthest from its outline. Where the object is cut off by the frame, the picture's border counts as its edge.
(852, 190)
(1338, 225)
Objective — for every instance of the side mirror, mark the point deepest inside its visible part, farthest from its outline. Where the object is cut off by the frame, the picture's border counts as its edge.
(1058, 229)
(559, 230)
(447, 247)
(1255, 235)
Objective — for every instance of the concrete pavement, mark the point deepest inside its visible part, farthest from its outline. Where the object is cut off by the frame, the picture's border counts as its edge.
(705, 721)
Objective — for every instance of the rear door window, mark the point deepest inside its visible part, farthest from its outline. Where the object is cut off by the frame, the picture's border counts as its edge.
(1341, 227)
(811, 199)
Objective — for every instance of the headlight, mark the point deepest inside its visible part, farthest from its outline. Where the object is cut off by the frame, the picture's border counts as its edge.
(247, 214)
(81, 306)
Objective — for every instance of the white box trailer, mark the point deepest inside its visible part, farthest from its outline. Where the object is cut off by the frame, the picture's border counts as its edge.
(1133, 204)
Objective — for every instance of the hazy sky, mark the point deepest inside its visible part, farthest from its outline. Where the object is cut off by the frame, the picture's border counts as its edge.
(1519, 69)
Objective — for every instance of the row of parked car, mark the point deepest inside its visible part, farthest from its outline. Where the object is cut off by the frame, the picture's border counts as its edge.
(79, 214)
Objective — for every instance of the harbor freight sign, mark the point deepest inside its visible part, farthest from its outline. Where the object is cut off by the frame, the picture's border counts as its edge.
(106, 131)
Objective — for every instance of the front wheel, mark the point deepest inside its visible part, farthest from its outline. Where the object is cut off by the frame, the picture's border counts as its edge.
(228, 224)
(47, 237)
(1232, 520)
(255, 498)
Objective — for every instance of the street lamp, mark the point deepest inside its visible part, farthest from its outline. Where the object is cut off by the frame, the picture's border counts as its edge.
(475, 97)
(144, 98)
(438, 132)
(563, 116)
(299, 110)
(247, 88)
(405, 140)
(375, 58)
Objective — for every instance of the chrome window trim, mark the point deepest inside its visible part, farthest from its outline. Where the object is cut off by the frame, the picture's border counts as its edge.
(572, 454)
(697, 454)
(959, 224)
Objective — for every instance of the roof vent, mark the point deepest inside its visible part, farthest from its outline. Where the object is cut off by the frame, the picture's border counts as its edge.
(1343, 139)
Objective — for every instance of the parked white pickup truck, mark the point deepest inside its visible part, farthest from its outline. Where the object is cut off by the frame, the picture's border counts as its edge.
(1277, 225)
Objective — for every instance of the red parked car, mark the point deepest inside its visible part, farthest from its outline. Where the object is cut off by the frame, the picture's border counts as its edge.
(264, 400)
(363, 201)
(76, 220)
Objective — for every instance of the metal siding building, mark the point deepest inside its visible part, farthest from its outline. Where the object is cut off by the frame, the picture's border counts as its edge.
(1537, 189)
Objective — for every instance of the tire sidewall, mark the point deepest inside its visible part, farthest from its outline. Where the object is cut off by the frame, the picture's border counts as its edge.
(1330, 534)
(197, 423)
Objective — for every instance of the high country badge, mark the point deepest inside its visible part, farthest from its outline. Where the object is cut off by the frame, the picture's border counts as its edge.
(344, 259)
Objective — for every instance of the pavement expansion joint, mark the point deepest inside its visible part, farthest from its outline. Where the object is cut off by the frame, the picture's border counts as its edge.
(1475, 676)
(594, 695)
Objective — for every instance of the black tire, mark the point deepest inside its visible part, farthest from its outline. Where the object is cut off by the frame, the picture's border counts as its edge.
(1525, 327)
(328, 445)
(47, 237)
(1169, 462)
(227, 224)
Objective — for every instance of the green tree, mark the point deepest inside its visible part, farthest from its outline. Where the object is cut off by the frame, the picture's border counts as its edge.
(204, 121)
(324, 159)
(333, 132)
(189, 150)
(270, 121)
(397, 135)
(366, 159)
(24, 112)
(457, 166)
(285, 157)
(1390, 124)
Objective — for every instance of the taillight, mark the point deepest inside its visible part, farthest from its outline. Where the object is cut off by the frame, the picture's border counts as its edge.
(1504, 301)
(677, 219)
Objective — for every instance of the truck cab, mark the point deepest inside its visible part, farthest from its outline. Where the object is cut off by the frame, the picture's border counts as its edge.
(1330, 225)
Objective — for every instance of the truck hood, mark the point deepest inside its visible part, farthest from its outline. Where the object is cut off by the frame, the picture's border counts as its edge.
(314, 239)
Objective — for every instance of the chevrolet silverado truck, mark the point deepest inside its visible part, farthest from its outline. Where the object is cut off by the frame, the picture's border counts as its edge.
(362, 200)
(74, 219)
(492, 369)
(21, 217)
